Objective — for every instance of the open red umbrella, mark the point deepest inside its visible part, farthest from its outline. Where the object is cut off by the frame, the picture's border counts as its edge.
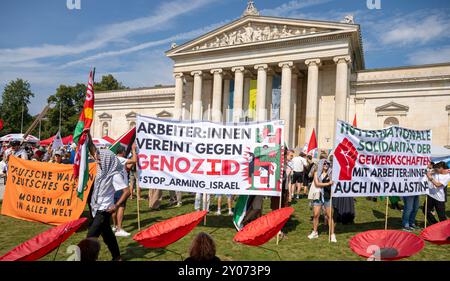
(264, 228)
(164, 233)
(44, 243)
(386, 244)
(438, 233)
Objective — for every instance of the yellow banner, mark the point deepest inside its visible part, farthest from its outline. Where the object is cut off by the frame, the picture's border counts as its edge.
(252, 100)
(43, 192)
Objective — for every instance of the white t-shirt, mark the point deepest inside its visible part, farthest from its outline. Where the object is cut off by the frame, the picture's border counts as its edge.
(438, 193)
(123, 161)
(298, 164)
(106, 195)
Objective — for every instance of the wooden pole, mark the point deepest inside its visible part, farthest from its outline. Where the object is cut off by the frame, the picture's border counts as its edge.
(330, 219)
(204, 207)
(279, 207)
(138, 213)
(426, 210)
(386, 212)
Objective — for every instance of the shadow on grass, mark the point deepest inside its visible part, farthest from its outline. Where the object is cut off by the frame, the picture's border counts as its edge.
(144, 223)
(379, 215)
(218, 221)
(135, 250)
(291, 225)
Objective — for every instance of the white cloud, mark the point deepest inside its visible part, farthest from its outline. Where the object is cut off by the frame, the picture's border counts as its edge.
(430, 55)
(285, 10)
(101, 36)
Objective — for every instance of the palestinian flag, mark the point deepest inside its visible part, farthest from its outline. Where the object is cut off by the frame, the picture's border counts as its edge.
(243, 204)
(81, 164)
(126, 141)
(86, 116)
(80, 137)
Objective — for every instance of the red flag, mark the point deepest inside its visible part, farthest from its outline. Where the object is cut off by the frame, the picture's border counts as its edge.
(1, 124)
(354, 121)
(312, 144)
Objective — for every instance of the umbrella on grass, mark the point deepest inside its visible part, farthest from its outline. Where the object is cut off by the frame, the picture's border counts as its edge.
(386, 244)
(42, 244)
(438, 233)
(162, 234)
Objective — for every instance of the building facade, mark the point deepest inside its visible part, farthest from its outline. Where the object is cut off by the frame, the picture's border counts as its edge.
(307, 73)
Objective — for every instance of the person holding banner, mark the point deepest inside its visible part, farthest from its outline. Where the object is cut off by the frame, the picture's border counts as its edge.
(108, 180)
(322, 180)
(439, 178)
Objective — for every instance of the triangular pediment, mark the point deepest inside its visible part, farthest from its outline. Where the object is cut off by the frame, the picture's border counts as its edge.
(392, 106)
(164, 114)
(131, 115)
(258, 30)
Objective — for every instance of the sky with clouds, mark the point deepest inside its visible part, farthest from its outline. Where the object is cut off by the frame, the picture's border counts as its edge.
(48, 44)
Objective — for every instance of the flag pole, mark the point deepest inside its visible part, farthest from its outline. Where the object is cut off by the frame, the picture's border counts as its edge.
(426, 210)
(386, 213)
(137, 206)
(204, 207)
(330, 219)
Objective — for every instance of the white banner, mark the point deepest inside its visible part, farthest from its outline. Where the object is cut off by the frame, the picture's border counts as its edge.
(387, 162)
(206, 157)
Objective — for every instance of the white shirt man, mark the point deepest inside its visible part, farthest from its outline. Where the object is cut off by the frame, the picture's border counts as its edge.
(298, 164)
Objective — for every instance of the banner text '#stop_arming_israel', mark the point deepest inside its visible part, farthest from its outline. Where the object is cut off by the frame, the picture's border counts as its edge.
(206, 157)
(388, 162)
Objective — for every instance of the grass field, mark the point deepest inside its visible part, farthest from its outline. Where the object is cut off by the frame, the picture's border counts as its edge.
(369, 215)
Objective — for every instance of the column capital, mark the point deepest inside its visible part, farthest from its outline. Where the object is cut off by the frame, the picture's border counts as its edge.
(217, 71)
(286, 64)
(178, 75)
(312, 62)
(197, 73)
(238, 69)
(342, 59)
(261, 66)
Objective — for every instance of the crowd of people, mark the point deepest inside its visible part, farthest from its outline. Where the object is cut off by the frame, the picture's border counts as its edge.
(304, 178)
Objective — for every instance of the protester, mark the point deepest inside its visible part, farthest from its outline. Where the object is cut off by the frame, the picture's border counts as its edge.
(219, 204)
(89, 249)
(298, 166)
(411, 206)
(322, 180)
(175, 198)
(16, 150)
(57, 157)
(287, 173)
(202, 201)
(343, 207)
(439, 179)
(203, 249)
(108, 180)
(118, 215)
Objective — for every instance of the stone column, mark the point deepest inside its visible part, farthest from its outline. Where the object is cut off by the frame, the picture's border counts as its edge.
(246, 97)
(342, 81)
(312, 97)
(197, 95)
(261, 109)
(178, 102)
(226, 99)
(217, 95)
(285, 101)
(294, 109)
(238, 92)
(269, 94)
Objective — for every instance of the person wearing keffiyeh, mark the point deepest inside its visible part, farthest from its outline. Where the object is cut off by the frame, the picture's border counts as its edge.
(108, 180)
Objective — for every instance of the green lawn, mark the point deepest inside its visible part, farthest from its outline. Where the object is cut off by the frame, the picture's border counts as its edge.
(369, 215)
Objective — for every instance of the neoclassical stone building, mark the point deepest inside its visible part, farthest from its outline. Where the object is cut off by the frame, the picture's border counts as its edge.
(306, 72)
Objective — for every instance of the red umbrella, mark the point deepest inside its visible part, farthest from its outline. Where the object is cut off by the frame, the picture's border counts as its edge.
(48, 141)
(164, 233)
(438, 233)
(44, 243)
(264, 228)
(386, 244)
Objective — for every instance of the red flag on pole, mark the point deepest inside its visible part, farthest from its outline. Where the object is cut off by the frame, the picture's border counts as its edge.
(354, 121)
(312, 144)
(1, 124)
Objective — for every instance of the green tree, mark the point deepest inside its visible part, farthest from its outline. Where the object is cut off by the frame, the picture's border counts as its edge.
(15, 98)
(70, 99)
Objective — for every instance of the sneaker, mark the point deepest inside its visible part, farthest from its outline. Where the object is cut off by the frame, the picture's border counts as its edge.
(218, 212)
(114, 228)
(313, 235)
(333, 238)
(230, 212)
(122, 233)
(178, 205)
(415, 227)
(407, 229)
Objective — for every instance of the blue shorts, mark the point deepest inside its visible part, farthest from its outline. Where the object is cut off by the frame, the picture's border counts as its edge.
(319, 202)
(117, 196)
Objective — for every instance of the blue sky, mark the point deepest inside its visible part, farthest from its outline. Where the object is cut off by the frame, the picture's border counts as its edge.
(47, 44)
